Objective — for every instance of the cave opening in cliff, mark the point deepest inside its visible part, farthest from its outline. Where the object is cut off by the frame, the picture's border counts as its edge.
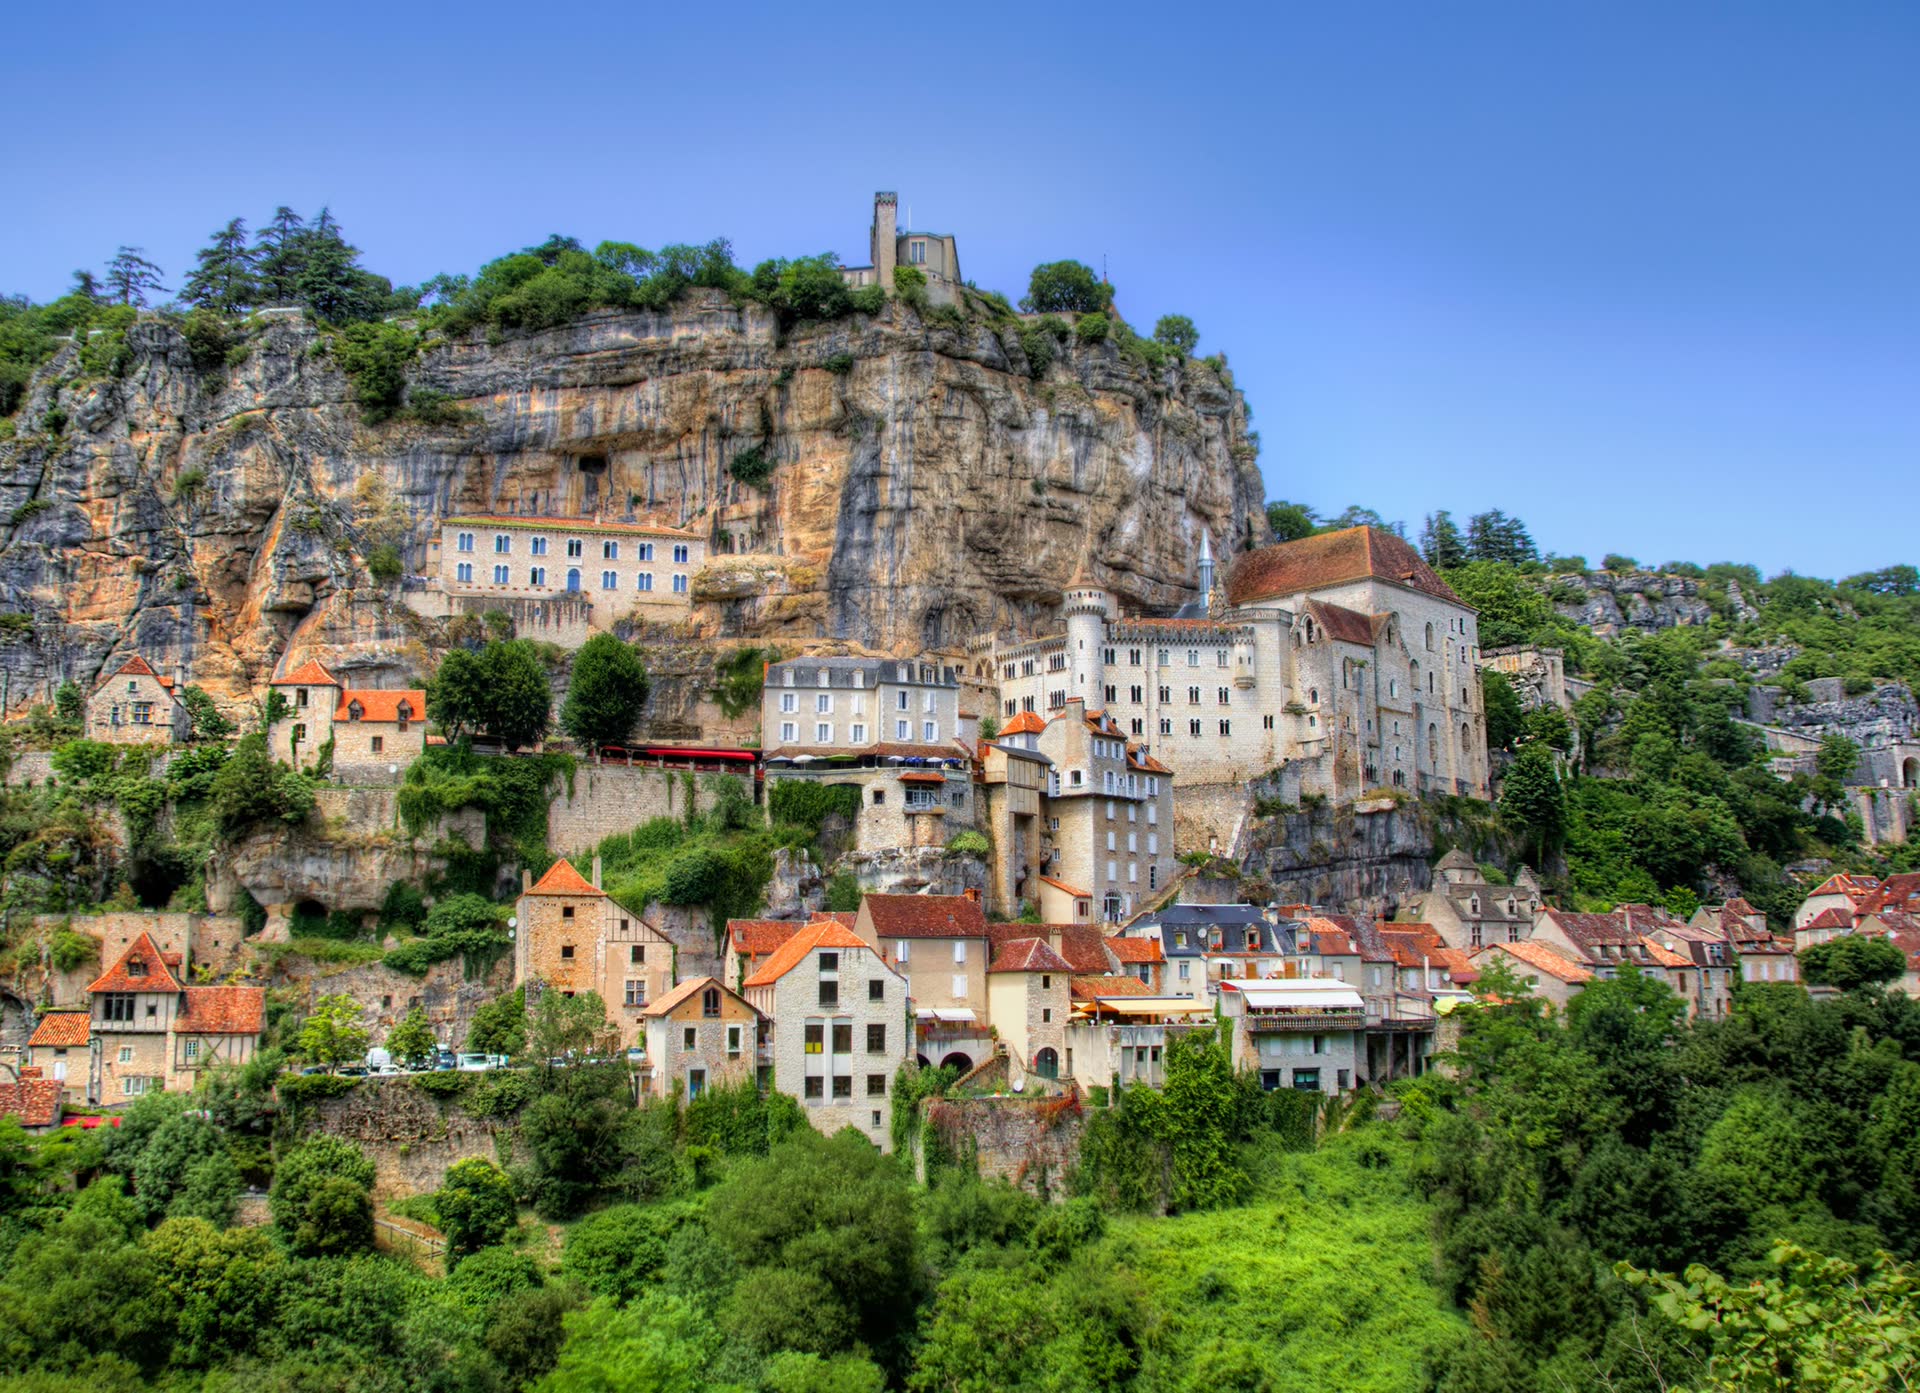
(156, 879)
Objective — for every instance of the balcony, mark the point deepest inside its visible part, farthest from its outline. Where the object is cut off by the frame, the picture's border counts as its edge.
(1281, 1022)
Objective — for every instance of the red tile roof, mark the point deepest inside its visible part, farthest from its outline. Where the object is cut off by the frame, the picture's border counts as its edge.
(925, 916)
(667, 1001)
(224, 1011)
(1896, 892)
(538, 524)
(1082, 945)
(562, 879)
(381, 706)
(137, 666)
(1590, 931)
(1346, 625)
(1543, 957)
(1331, 938)
(1854, 887)
(759, 937)
(1835, 918)
(1107, 984)
(1412, 945)
(1026, 723)
(308, 674)
(36, 1102)
(1332, 558)
(1028, 955)
(1065, 888)
(62, 1030)
(921, 776)
(157, 977)
(1136, 950)
(846, 918)
(1662, 956)
(794, 951)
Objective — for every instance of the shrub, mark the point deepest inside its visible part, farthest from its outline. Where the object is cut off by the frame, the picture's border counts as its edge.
(868, 299)
(1092, 328)
(384, 564)
(753, 466)
(32, 508)
(70, 950)
(969, 843)
(1066, 287)
(476, 1207)
(911, 286)
(322, 1198)
(805, 803)
(840, 364)
(207, 340)
(375, 358)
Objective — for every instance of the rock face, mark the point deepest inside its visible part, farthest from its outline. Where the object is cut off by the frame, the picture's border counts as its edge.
(925, 487)
(1352, 862)
(1610, 604)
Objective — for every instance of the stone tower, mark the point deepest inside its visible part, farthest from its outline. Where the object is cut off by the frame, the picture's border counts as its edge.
(886, 238)
(1087, 608)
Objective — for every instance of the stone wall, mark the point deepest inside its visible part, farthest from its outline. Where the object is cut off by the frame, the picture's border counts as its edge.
(915, 870)
(605, 799)
(411, 1136)
(447, 994)
(1209, 816)
(1033, 1143)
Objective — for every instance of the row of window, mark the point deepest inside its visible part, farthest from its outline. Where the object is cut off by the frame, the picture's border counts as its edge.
(537, 577)
(823, 703)
(815, 1087)
(537, 546)
(823, 732)
(816, 1036)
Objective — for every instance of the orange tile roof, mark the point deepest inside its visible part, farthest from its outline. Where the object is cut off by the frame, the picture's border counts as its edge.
(758, 937)
(1136, 950)
(224, 1011)
(157, 978)
(1026, 723)
(137, 666)
(1543, 957)
(1028, 955)
(846, 918)
(62, 1030)
(308, 674)
(1333, 558)
(925, 916)
(665, 1003)
(1328, 937)
(794, 951)
(36, 1102)
(1662, 956)
(562, 879)
(1412, 945)
(1854, 887)
(1107, 984)
(1065, 888)
(1835, 918)
(382, 707)
(538, 524)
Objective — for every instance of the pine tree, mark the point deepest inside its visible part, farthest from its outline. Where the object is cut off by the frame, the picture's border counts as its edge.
(1493, 536)
(86, 285)
(278, 257)
(331, 283)
(1441, 543)
(1531, 801)
(131, 277)
(224, 281)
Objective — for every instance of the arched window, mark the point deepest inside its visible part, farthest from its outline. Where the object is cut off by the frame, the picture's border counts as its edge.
(1429, 638)
(1433, 745)
(1466, 738)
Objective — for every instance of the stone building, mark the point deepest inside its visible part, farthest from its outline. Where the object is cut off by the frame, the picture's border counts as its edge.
(699, 1035)
(59, 1049)
(562, 579)
(888, 727)
(1553, 974)
(1342, 661)
(375, 732)
(940, 943)
(1011, 790)
(148, 1031)
(1028, 1002)
(1468, 911)
(837, 1028)
(571, 937)
(1303, 1033)
(136, 706)
(936, 255)
(1108, 812)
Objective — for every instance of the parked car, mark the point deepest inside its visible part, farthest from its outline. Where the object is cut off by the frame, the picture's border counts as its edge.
(480, 1063)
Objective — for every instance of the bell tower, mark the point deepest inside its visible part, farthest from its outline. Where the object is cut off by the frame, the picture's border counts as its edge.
(886, 238)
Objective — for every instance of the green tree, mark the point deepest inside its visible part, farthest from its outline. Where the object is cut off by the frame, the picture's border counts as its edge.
(1176, 331)
(131, 277)
(1065, 287)
(457, 694)
(1532, 802)
(476, 1207)
(606, 693)
(322, 1198)
(412, 1040)
(500, 1026)
(280, 257)
(332, 1033)
(223, 278)
(204, 718)
(1441, 543)
(1505, 718)
(252, 787)
(1291, 521)
(661, 1344)
(1493, 536)
(1852, 962)
(1833, 766)
(69, 703)
(519, 697)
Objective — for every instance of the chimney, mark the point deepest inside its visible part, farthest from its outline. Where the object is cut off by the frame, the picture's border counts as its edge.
(526, 881)
(30, 1071)
(596, 872)
(972, 894)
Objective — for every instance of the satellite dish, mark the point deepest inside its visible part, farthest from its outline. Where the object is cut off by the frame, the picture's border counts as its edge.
(1019, 1085)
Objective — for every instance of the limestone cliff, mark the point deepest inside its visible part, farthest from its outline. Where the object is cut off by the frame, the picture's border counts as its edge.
(926, 486)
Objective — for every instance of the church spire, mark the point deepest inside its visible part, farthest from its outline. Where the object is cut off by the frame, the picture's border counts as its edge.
(1206, 566)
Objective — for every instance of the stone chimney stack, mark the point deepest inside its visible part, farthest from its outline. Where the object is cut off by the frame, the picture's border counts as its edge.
(526, 881)
(596, 872)
(972, 894)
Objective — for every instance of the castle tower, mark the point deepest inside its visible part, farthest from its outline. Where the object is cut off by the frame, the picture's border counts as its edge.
(1087, 608)
(886, 238)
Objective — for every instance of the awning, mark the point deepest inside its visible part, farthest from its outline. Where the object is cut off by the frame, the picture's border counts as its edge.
(946, 1015)
(916, 777)
(1153, 1005)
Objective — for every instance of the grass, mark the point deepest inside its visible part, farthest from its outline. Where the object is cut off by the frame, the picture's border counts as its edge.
(319, 950)
(1324, 1280)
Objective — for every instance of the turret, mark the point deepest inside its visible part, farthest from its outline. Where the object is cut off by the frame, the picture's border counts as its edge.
(886, 238)
(1206, 567)
(1087, 608)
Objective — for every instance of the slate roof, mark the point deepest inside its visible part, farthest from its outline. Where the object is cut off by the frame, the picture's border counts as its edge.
(794, 951)
(308, 674)
(62, 1030)
(36, 1102)
(925, 916)
(1028, 955)
(381, 706)
(223, 1011)
(562, 879)
(158, 977)
(1333, 558)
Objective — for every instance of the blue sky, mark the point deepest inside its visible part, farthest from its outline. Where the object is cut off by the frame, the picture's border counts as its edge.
(1647, 275)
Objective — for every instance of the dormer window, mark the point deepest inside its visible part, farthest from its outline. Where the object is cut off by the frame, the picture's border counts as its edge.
(354, 711)
(136, 967)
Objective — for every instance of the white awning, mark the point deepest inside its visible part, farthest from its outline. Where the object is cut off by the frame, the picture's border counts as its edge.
(1309, 993)
(947, 1015)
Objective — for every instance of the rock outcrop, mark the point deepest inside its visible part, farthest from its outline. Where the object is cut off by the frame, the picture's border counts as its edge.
(220, 516)
(1610, 604)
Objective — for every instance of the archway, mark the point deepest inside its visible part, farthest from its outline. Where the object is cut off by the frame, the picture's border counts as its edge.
(957, 1060)
(1910, 774)
(1047, 1064)
(922, 1061)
